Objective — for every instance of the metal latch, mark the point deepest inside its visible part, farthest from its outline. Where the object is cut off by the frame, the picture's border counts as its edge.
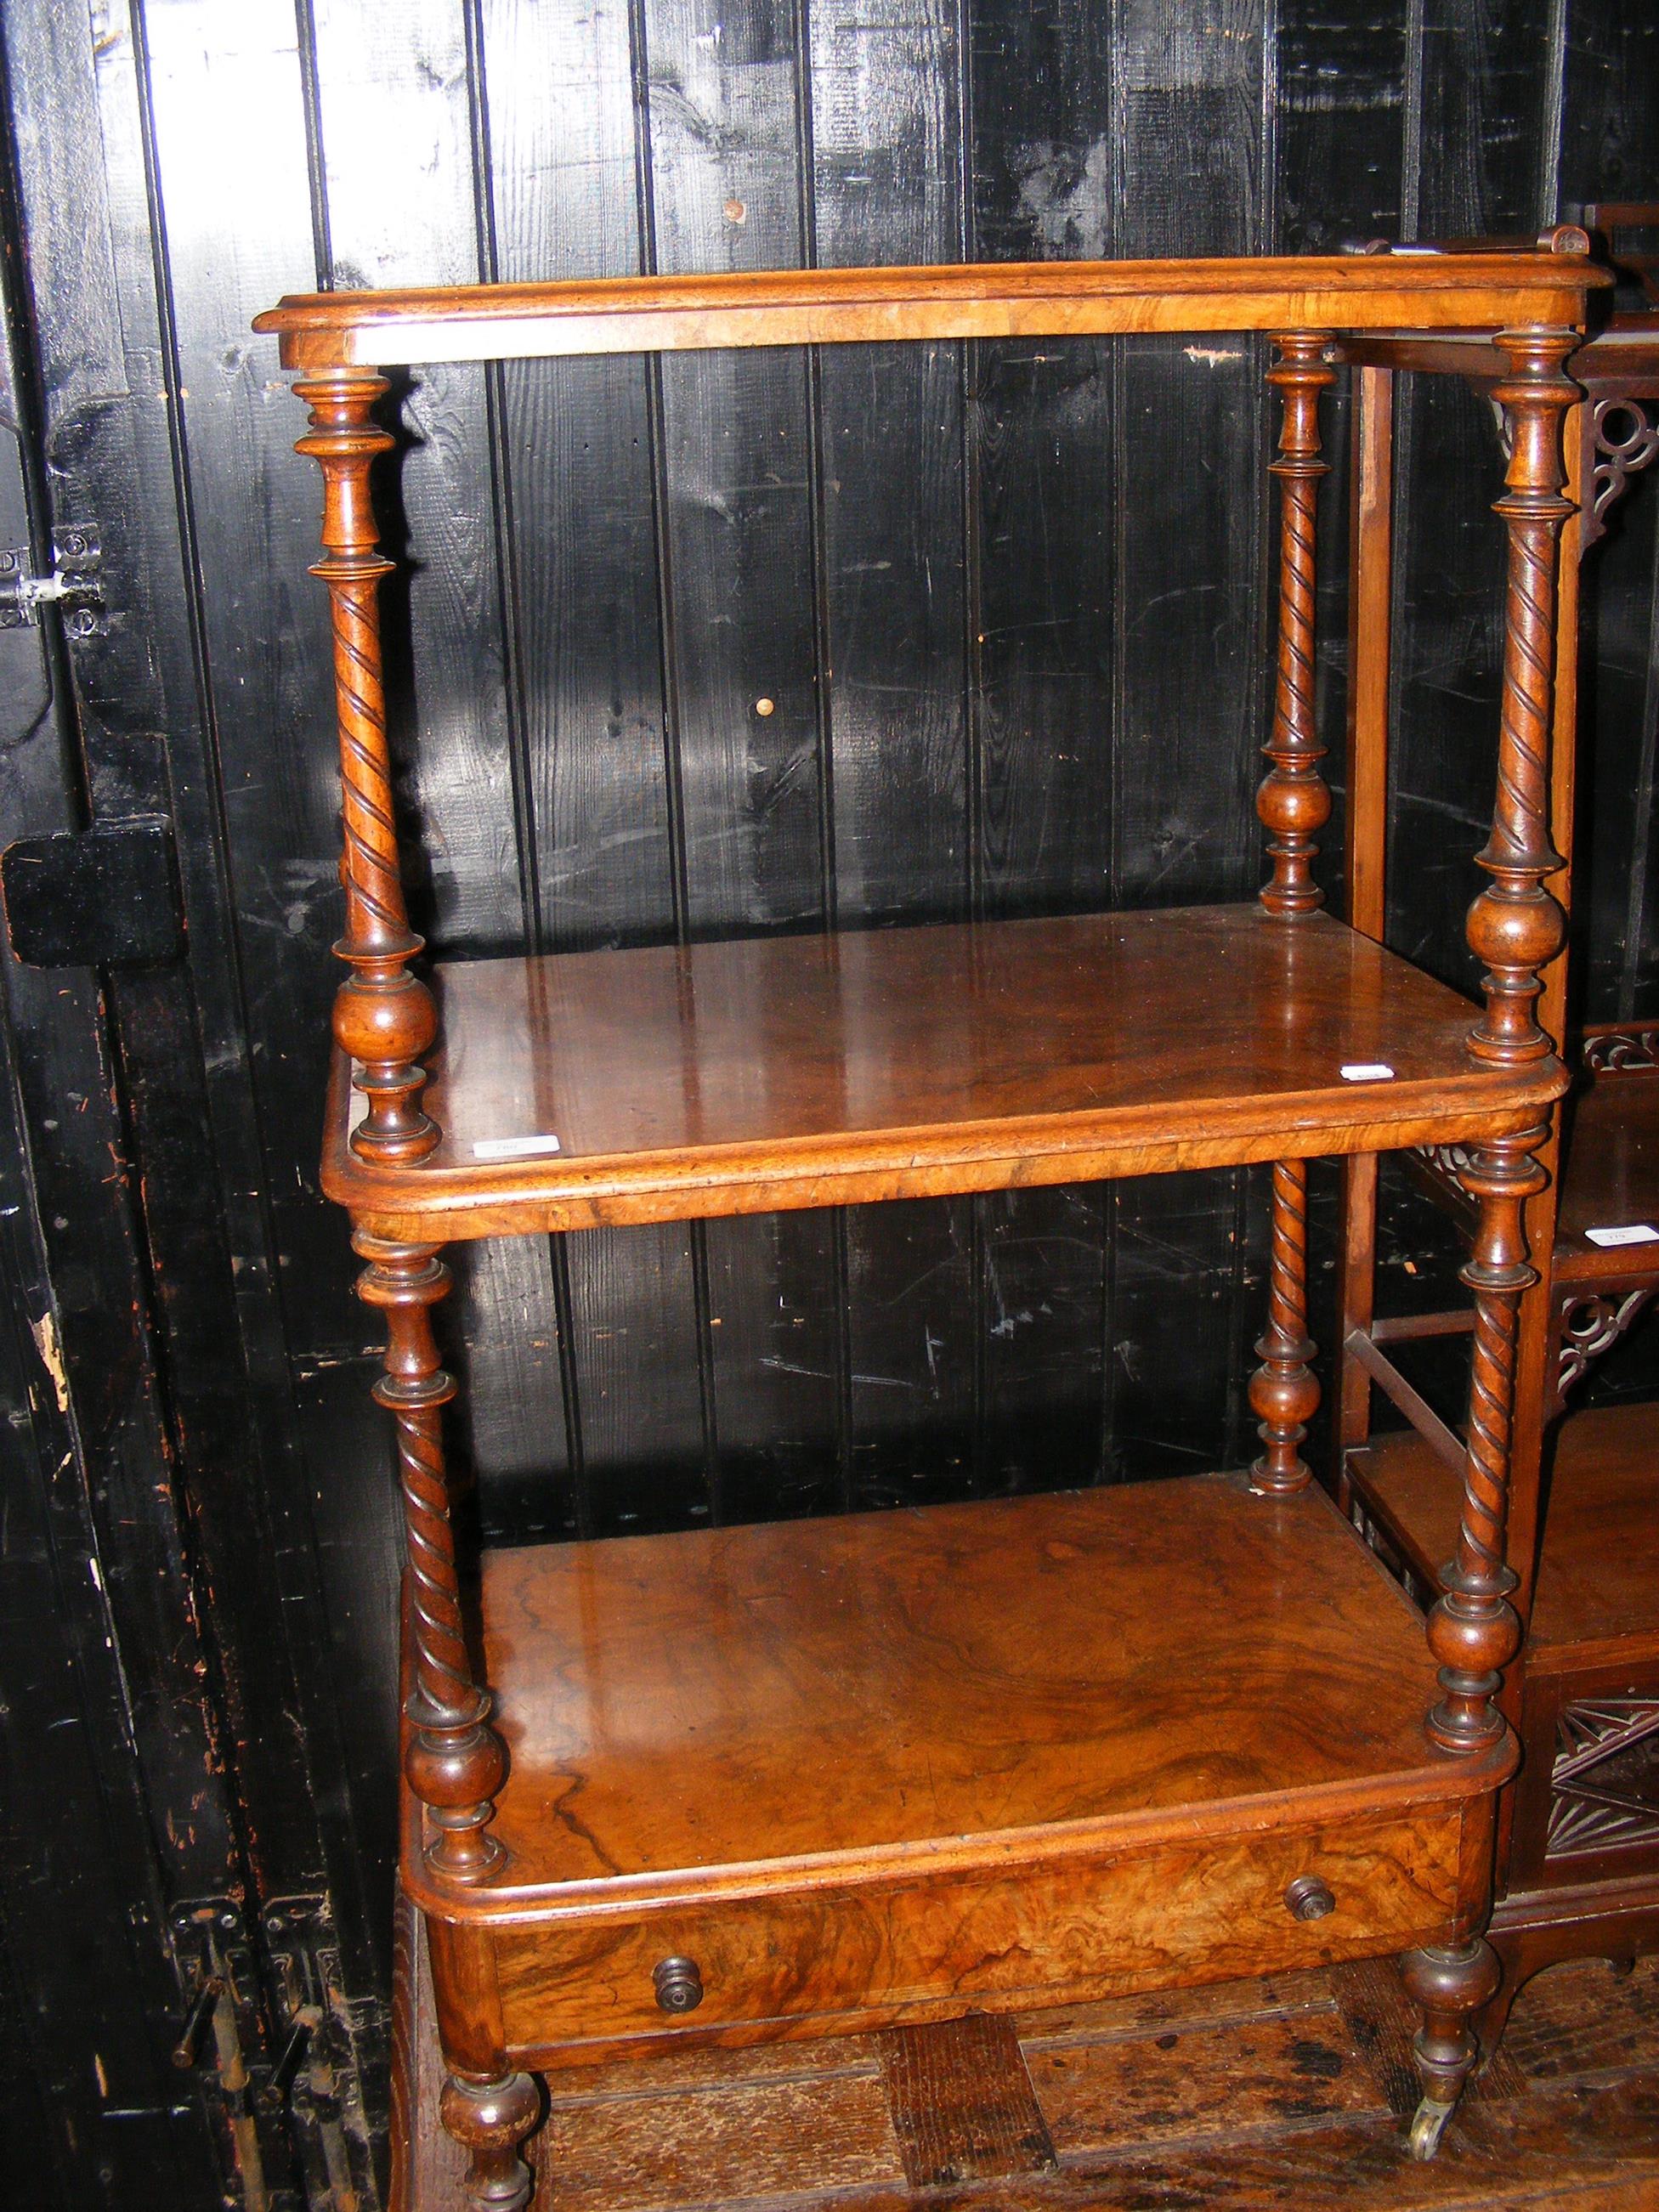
(75, 585)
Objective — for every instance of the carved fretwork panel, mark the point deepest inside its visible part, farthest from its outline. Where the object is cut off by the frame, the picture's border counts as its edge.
(1445, 1162)
(1590, 1323)
(1614, 1051)
(1605, 1783)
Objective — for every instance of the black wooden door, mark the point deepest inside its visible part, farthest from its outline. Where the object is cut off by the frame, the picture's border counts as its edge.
(179, 1864)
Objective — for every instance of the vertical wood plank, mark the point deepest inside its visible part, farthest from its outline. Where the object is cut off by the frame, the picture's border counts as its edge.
(1040, 497)
(557, 133)
(395, 143)
(394, 136)
(726, 193)
(962, 2104)
(577, 454)
(636, 1351)
(887, 166)
(1481, 104)
(1369, 630)
(98, 275)
(1610, 118)
(730, 188)
(777, 1363)
(1339, 131)
(1041, 416)
(1341, 97)
(887, 188)
(232, 184)
(912, 1330)
(1189, 430)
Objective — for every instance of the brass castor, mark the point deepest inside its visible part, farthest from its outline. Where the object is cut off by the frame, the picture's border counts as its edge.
(1428, 2126)
(1450, 1981)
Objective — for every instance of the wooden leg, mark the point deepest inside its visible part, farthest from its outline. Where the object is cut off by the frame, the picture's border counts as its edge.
(1284, 1392)
(491, 2118)
(453, 1759)
(1450, 1982)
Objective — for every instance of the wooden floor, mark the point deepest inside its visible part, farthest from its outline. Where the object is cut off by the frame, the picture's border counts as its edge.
(1246, 2095)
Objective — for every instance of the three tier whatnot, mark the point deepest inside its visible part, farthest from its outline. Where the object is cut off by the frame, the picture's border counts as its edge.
(783, 1781)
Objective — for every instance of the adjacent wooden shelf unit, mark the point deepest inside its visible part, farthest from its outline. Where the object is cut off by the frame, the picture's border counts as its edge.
(768, 1782)
(1578, 1858)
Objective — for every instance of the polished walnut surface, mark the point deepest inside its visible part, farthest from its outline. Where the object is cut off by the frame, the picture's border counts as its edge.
(937, 1685)
(1610, 1178)
(1598, 1575)
(1000, 300)
(780, 1071)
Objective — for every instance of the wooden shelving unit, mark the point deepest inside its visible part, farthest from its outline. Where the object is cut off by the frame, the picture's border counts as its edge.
(751, 1784)
(1579, 1871)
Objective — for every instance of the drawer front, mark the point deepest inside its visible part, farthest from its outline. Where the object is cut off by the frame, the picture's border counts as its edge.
(822, 1963)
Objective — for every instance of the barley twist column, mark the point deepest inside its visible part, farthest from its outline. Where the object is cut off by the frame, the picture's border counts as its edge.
(1294, 801)
(1474, 1630)
(384, 1016)
(1284, 1392)
(1515, 926)
(454, 1762)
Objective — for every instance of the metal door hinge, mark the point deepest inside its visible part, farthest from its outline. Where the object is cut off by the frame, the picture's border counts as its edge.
(222, 2043)
(315, 2071)
(75, 585)
(265, 2028)
(109, 898)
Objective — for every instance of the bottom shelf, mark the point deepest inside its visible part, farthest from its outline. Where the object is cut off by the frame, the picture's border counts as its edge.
(677, 1707)
(899, 1765)
(1598, 1568)
(1256, 2094)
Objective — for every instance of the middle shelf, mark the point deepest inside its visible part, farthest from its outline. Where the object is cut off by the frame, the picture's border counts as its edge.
(750, 1076)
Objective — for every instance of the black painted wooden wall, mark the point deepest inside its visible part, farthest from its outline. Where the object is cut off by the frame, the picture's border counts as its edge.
(758, 642)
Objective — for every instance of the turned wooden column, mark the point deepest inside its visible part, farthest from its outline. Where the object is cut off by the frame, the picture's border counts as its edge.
(454, 1761)
(1283, 1391)
(1474, 1630)
(384, 1016)
(492, 2117)
(1515, 926)
(1294, 801)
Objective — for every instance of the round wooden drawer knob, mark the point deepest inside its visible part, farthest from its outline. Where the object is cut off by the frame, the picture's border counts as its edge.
(679, 1985)
(1309, 1899)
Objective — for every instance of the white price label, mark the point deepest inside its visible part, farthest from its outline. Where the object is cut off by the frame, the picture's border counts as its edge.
(1631, 1232)
(1367, 1071)
(513, 1148)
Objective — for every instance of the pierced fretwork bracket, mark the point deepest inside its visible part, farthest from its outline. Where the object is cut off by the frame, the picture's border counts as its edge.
(1621, 440)
(1591, 1323)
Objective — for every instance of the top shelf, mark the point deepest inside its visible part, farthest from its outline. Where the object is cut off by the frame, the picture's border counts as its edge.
(1425, 291)
(781, 1071)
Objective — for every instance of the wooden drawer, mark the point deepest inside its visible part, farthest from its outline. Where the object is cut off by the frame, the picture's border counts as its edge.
(824, 1962)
